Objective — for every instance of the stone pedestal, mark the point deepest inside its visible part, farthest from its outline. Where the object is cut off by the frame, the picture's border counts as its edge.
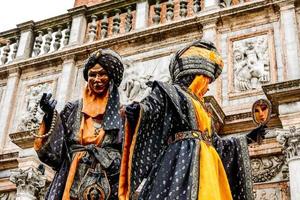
(290, 39)
(29, 183)
(26, 40)
(79, 25)
(67, 81)
(142, 12)
(9, 102)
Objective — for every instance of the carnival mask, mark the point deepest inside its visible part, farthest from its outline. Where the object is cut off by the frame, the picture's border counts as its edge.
(261, 112)
(98, 80)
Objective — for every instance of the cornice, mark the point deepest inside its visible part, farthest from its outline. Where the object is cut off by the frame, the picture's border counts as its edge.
(9, 160)
(22, 139)
(29, 25)
(283, 92)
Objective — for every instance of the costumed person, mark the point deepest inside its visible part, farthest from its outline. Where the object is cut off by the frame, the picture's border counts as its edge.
(171, 150)
(83, 142)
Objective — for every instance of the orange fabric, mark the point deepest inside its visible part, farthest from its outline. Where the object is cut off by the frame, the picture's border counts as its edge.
(213, 183)
(199, 87)
(38, 142)
(125, 171)
(71, 175)
(93, 105)
(208, 54)
(87, 130)
(213, 179)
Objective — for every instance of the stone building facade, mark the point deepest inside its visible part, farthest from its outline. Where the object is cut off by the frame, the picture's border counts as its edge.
(258, 40)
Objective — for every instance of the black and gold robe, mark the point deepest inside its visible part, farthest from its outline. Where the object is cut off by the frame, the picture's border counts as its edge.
(170, 170)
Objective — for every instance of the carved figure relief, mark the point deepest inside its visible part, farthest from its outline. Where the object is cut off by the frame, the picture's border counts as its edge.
(33, 94)
(251, 63)
(265, 169)
(267, 194)
(138, 79)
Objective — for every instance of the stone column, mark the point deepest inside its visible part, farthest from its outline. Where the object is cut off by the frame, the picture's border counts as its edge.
(26, 40)
(211, 4)
(29, 183)
(291, 147)
(9, 102)
(79, 25)
(142, 13)
(67, 81)
(290, 39)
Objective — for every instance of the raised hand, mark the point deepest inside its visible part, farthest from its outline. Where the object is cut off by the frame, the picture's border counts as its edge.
(132, 113)
(47, 104)
(257, 134)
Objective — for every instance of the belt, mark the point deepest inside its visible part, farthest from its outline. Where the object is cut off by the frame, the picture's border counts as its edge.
(189, 135)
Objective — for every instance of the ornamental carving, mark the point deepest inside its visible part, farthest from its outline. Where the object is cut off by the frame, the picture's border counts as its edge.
(290, 141)
(29, 182)
(33, 95)
(138, 80)
(265, 169)
(251, 63)
(267, 194)
(8, 195)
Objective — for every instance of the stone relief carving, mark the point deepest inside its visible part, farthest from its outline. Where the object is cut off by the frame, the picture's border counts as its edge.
(265, 169)
(33, 95)
(138, 80)
(267, 194)
(8, 195)
(29, 182)
(290, 140)
(251, 63)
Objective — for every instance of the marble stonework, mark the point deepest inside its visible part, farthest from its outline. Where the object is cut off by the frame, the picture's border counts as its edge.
(258, 40)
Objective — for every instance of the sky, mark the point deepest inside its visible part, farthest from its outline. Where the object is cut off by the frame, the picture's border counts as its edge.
(13, 12)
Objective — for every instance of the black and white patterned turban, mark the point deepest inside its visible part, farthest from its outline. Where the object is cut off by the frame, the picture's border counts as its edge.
(110, 61)
(205, 61)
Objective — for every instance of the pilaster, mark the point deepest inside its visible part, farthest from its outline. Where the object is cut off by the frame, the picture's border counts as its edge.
(26, 40)
(291, 147)
(9, 102)
(211, 4)
(290, 40)
(142, 12)
(67, 81)
(79, 25)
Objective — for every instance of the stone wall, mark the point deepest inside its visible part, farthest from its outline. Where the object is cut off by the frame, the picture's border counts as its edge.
(258, 41)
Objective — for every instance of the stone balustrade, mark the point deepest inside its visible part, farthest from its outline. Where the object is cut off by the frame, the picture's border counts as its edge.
(8, 49)
(51, 39)
(33, 39)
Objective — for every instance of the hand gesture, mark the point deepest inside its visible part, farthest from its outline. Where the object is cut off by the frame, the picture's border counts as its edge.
(132, 113)
(257, 134)
(47, 104)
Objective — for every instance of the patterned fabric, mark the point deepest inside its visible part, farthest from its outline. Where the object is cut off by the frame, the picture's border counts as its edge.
(57, 152)
(208, 64)
(172, 171)
(109, 60)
